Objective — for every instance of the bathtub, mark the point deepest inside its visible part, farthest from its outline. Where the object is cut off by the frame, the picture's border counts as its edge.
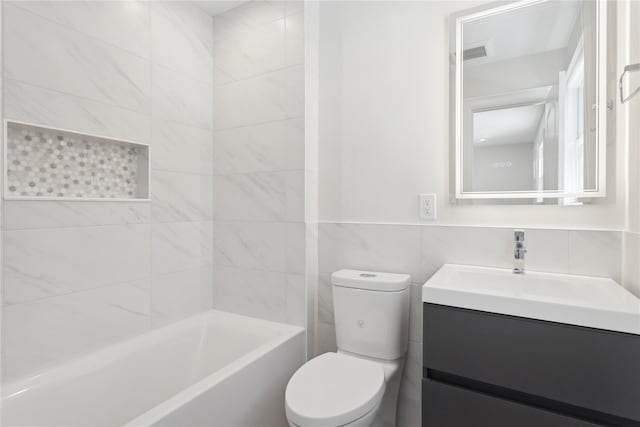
(214, 369)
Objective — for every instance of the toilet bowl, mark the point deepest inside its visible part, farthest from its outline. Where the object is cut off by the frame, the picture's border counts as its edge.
(352, 386)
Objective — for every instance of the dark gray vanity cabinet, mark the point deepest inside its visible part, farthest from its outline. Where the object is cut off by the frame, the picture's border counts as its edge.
(485, 369)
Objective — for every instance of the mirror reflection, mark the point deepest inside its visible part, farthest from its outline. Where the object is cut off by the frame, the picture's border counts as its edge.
(528, 99)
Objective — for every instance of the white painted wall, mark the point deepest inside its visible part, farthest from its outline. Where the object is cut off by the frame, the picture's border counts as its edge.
(384, 103)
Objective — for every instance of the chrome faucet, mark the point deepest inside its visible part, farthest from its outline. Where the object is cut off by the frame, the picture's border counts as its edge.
(518, 253)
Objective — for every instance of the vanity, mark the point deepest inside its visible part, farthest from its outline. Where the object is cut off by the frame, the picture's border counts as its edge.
(528, 350)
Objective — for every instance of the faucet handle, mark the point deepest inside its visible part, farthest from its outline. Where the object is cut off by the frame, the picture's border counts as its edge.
(518, 235)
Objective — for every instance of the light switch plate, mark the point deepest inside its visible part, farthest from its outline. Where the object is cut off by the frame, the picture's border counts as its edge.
(428, 206)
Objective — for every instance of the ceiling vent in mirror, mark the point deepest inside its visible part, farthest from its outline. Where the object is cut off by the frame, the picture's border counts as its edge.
(474, 52)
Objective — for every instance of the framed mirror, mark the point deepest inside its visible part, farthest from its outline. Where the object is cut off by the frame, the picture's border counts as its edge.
(529, 100)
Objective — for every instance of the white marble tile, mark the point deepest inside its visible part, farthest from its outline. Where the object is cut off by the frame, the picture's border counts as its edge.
(52, 214)
(294, 39)
(386, 248)
(180, 148)
(292, 80)
(596, 253)
(255, 50)
(32, 104)
(326, 339)
(295, 247)
(251, 14)
(294, 195)
(295, 300)
(250, 197)
(96, 19)
(295, 143)
(251, 245)
(49, 55)
(178, 246)
(252, 293)
(325, 299)
(182, 38)
(410, 402)
(181, 99)
(547, 250)
(44, 333)
(415, 313)
(257, 148)
(490, 247)
(175, 296)
(46, 262)
(178, 196)
(260, 99)
(631, 266)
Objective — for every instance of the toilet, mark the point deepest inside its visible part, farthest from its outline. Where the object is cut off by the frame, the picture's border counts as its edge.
(358, 385)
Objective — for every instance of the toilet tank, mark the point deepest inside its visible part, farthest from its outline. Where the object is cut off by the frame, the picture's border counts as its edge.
(371, 313)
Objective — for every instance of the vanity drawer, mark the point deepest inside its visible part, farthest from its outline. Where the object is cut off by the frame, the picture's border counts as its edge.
(586, 368)
(450, 406)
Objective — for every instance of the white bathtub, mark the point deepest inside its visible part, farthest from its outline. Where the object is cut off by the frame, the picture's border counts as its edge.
(214, 369)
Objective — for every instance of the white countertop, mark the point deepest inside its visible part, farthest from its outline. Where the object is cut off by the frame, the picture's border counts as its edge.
(593, 302)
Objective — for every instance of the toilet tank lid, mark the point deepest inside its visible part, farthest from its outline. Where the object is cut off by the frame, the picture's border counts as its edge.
(371, 280)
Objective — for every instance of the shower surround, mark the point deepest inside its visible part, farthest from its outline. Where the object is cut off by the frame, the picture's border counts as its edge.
(79, 276)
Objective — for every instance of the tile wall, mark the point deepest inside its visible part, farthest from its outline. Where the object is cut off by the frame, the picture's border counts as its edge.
(259, 229)
(421, 249)
(82, 275)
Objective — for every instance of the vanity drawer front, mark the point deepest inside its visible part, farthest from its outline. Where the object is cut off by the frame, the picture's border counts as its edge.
(446, 405)
(583, 367)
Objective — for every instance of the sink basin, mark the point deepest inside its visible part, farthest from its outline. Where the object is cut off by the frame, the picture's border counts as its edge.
(592, 302)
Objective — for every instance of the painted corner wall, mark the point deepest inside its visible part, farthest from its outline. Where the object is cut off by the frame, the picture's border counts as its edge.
(384, 114)
(78, 276)
(383, 139)
(259, 153)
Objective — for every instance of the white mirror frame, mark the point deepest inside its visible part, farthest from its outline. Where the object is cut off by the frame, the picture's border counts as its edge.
(601, 102)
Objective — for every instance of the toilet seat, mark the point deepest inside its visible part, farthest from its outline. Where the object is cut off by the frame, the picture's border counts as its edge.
(333, 390)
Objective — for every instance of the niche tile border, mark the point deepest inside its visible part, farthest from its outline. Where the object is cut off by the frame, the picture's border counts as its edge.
(48, 163)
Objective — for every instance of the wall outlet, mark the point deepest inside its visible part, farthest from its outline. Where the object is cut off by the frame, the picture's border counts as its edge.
(428, 206)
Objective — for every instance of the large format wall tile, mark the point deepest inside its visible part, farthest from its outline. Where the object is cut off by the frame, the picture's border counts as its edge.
(50, 331)
(45, 54)
(254, 51)
(393, 249)
(596, 253)
(269, 97)
(182, 38)
(32, 104)
(180, 148)
(96, 19)
(251, 245)
(177, 246)
(181, 294)
(252, 293)
(51, 214)
(178, 196)
(70, 265)
(181, 99)
(42, 263)
(247, 197)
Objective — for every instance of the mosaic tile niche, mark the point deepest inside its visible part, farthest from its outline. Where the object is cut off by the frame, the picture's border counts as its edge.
(49, 163)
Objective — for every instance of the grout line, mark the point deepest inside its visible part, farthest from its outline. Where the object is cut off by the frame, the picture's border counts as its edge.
(421, 224)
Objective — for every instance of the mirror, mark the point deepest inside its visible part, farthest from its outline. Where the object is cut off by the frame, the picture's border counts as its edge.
(529, 101)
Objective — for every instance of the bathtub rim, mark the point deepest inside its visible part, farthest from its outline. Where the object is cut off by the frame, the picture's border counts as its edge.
(197, 389)
(93, 361)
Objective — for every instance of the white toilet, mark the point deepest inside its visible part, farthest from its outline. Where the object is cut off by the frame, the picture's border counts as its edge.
(349, 387)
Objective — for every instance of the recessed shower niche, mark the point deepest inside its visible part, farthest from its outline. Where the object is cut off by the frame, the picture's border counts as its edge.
(45, 163)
